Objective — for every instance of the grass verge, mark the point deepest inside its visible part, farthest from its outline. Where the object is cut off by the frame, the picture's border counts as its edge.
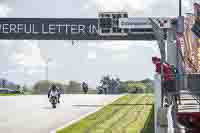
(10, 94)
(129, 114)
(19, 94)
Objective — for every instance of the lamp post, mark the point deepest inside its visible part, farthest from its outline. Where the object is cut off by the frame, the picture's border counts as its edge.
(46, 68)
(24, 70)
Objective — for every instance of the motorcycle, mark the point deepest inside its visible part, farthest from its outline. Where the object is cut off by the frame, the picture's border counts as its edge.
(54, 99)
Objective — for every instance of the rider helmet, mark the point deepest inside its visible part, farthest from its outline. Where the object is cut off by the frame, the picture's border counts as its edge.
(54, 87)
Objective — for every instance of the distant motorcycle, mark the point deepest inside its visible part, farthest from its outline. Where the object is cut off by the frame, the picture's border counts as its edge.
(54, 98)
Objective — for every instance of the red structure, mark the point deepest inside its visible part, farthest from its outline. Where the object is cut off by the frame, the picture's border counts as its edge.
(190, 120)
(168, 72)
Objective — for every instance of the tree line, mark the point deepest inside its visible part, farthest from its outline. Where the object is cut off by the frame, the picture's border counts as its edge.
(73, 87)
(108, 85)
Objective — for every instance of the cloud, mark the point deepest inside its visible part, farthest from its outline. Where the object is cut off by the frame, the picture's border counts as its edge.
(11, 71)
(140, 7)
(6, 42)
(28, 55)
(153, 45)
(124, 46)
(116, 5)
(116, 46)
(188, 5)
(92, 55)
(34, 71)
(4, 10)
(120, 57)
(112, 45)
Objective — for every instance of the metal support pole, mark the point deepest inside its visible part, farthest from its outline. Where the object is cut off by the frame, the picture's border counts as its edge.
(177, 78)
(159, 34)
(180, 7)
(162, 77)
(179, 30)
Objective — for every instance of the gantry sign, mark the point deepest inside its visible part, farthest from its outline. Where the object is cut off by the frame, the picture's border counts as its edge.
(108, 26)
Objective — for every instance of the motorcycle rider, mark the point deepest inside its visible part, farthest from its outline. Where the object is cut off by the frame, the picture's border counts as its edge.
(85, 87)
(54, 89)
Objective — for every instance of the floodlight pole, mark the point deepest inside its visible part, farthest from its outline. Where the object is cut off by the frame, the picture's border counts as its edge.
(180, 29)
(47, 69)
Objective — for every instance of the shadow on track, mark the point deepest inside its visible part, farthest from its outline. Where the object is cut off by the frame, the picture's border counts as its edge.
(47, 108)
(113, 105)
(87, 105)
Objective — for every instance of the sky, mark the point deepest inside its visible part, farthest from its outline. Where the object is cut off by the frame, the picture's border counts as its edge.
(23, 61)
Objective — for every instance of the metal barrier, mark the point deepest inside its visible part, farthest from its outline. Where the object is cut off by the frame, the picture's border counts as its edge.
(181, 83)
(193, 81)
(181, 92)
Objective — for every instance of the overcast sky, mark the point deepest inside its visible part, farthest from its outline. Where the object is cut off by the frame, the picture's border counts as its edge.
(86, 60)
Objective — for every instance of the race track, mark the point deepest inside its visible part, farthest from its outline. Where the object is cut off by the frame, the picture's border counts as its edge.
(34, 114)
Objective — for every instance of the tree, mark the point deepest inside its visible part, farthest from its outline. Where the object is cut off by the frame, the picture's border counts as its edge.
(123, 87)
(110, 85)
(41, 87)
(25, 88)
(105, 83)
(74, 87)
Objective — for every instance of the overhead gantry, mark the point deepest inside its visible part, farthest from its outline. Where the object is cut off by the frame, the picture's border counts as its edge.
(108, 26)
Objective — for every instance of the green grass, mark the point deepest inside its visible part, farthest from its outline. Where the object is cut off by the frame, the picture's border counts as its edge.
(10, 94)
(128, 114)
(26, 93)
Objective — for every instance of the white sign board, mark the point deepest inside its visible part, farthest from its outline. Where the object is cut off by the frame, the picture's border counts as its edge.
(129, 23)
(142, 23)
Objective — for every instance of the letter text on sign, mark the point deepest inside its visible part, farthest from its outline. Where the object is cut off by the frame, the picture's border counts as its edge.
(5, 28)
(13, 28)
(52, 29)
